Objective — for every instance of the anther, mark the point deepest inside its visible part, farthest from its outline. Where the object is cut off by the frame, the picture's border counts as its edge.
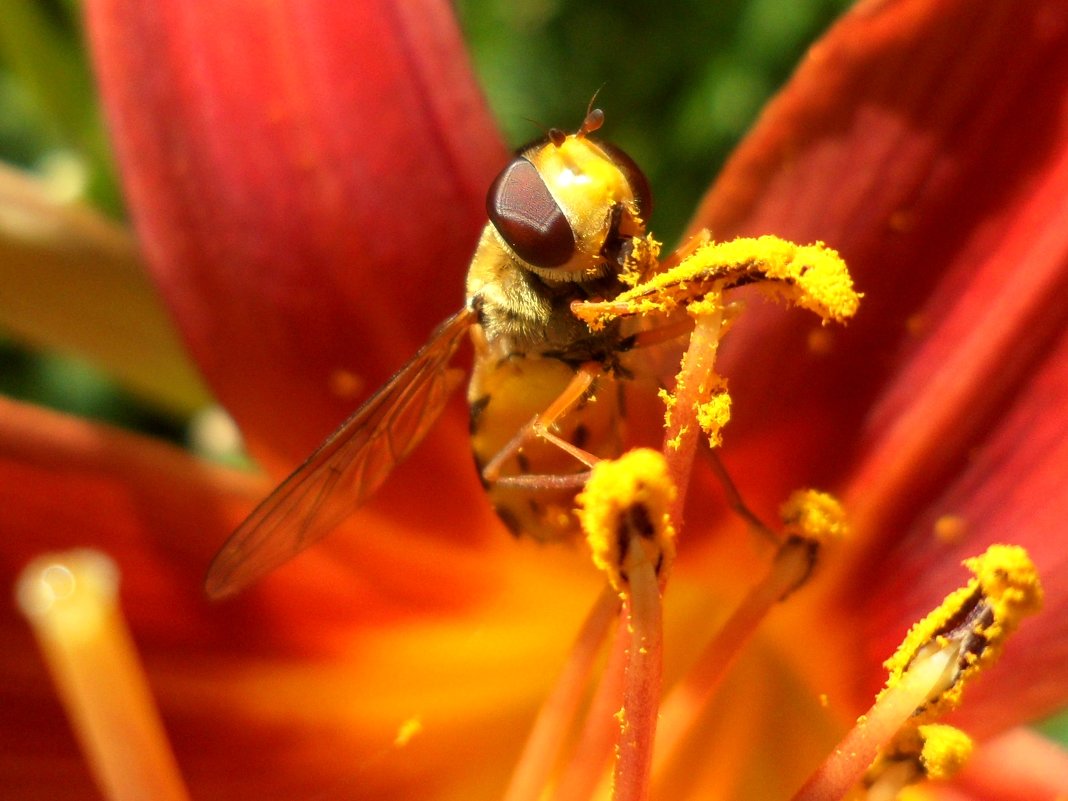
(624, 514)
(977, 618)
(932, 751)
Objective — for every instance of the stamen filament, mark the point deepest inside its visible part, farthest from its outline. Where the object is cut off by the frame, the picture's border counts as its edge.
(840, 772)
(589, 761)
(70, 601)
(893, 780)
(938, 657)
(689, 699)
(642, 681)
(695, 375)
(559, 710)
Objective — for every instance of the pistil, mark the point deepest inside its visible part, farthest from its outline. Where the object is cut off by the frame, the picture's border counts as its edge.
(70, 601)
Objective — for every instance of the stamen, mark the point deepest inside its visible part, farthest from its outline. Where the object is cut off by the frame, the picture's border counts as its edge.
(70, 600)
(623, 511)
(694, 279)
(813, 277)
(642, 621)
(624, 514)
(695, 386)
(932, 751)
(810, 519)
(938, 657)
(586, 768)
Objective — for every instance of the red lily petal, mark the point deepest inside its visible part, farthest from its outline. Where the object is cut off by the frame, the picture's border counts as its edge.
(1012, 490)
(304, 178)
(901, 142)
(67, 482)
(1017, 766)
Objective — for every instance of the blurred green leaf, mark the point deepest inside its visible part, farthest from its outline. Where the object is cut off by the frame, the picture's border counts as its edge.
(682, 81)
(42, 51)
(73, 281)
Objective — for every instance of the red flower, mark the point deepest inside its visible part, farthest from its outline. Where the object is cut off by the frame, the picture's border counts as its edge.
(307, 183)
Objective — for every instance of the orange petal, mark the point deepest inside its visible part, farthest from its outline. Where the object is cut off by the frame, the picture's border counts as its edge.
(308, 183)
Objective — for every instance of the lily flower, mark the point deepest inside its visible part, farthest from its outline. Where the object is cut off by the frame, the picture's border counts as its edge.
(307, 183)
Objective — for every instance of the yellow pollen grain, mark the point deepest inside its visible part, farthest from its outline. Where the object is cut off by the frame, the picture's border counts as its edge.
(408, 730)
(945, 750)
(670, 402)
(633, 490)
(713, 415)
(1004, 590)
(814, 515)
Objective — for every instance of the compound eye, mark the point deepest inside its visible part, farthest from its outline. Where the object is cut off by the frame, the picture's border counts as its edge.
(639, 184)
(528, 217)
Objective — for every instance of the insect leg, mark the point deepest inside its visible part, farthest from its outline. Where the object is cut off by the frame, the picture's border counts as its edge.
(539, 427)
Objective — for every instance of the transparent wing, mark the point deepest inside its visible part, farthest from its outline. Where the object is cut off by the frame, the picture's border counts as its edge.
(346, 469)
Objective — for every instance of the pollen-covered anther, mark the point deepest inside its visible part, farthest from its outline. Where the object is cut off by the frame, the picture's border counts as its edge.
(945, 750)
(975, 620)
(932, 751)
(938, 657)
(810, 519)
(624, 514)
(813, 277)
(814, 515)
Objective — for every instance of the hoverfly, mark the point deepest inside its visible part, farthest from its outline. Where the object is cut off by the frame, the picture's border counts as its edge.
(561, 216)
